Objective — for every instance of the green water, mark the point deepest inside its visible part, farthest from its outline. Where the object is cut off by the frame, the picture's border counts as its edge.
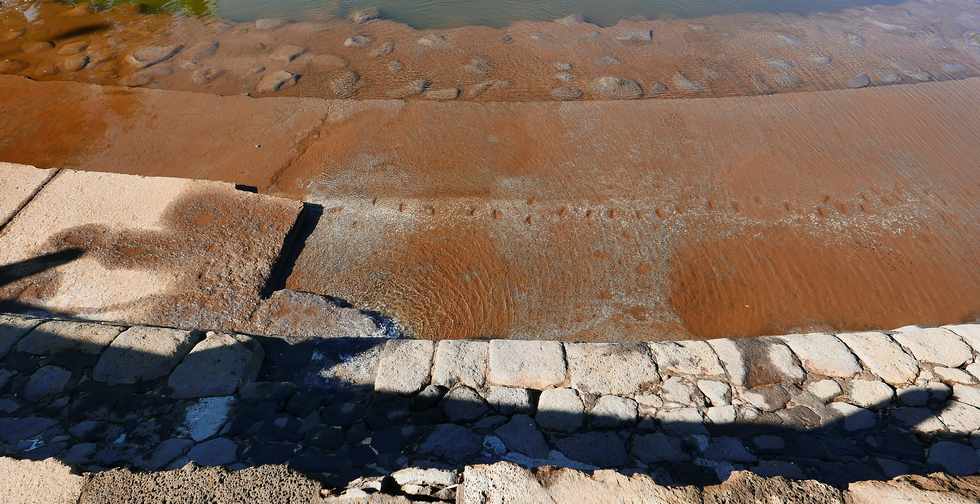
(451, 13)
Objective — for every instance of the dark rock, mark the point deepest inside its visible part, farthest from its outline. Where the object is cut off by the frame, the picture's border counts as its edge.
(165, 453)
(275, 392)
(451, 442)
(521, 434)
(216, 452)
(657, 447)
(326, 437)
(463, 404)
(729, 449)
(270, 452)
(16, 429)
(955, 458)
(87, 430)
(46, 382)
(79, 454)
(603, 449)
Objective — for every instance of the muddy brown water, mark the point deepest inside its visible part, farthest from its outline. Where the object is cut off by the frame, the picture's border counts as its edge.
(737, 215)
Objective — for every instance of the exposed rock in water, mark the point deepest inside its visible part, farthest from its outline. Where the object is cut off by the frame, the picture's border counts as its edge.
(820, 59)
(395, 66)
(657, 89)
(413, 88)
(566, 93)
(276, 81)
(287, 53)
(205, 75)
(859, 81)
(442, 94)
(571, 19)
(364, 15)
(147, 56)
(72, 48)
(479, 89)
(74, 63)
(384, 49)
(357, 41)
(680, 81)
(616, 88)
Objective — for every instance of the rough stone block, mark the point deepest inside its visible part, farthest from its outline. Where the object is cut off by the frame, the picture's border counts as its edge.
(882, 356)
(44, 482)
(869, 394)
(935, 346)
(823, 354)
(12, 329)
(405, 366)
(757, 361)
(143, 353)
(969, 332)
(613, 411)
(960, 418)
(57, 336)
(217, 366)
(46, 382)
(205, 417)
(507, 400)
(610, 368)
(560, 410)
(687, 357)
(526, 364)
(521, 435)
(462, 362)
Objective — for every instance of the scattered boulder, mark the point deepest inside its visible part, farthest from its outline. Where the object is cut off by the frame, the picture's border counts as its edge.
(276, 81)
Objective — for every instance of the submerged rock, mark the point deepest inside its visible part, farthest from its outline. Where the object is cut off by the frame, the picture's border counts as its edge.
(413, 88)
(276, 81)
(566, 93)
(147, 56)
(681, 82)
(442, 94)
(364, 15)
(616, 88)
(859, 81)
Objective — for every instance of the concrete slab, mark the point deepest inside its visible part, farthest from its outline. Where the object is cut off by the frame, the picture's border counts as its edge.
(151, 132)
(154, 251)
(654, 220)
(18, 183)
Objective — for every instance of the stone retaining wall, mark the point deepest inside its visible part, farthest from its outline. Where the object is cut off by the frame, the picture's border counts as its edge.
(833, 408)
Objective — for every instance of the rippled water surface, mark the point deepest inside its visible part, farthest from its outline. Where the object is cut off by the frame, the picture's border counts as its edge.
(451, 13)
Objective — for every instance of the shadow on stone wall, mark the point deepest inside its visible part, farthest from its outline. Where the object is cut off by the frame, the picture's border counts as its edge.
(314, 408)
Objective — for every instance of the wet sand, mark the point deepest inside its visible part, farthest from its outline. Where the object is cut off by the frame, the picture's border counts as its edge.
(732, 55)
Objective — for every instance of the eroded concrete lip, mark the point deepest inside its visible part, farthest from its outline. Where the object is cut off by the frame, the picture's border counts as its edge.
(158, 251)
